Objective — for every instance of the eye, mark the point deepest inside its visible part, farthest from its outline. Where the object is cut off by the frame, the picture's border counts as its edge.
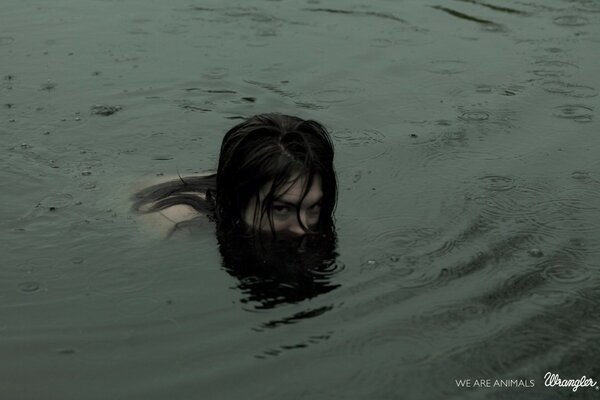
(315, 208)
(281, 211)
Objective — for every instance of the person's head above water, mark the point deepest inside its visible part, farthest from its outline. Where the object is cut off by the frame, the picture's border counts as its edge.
(276, 173)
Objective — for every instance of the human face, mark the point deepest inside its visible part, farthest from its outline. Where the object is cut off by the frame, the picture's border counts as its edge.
(286, 204)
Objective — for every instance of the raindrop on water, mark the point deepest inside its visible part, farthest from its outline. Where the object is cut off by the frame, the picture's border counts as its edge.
(571, 20)
(29, 287)
(575, 112)
(474, 116)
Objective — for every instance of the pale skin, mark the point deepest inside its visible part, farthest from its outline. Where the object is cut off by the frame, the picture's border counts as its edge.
(162, 222)
(288, 206)
(290, 212)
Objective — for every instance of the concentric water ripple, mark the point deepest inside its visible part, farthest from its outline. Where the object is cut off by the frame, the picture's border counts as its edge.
(555, 64)
(447, 67)
(512, 349)
(30, 287)
(571, 20)
(520, 202)
(120, 280)
(588, 5)
(550, 298)
(443, 156)
(465, 241)
(410, 349)
(549, 73)
(139, 306)
(569, 225)
(552, 68)
(483, 261)
(400, 239)
(577, 199)
(497, 183)
(41, 268)
(334, 95)
(563, 269)
(359, 138)
(569, 89)
(575, 112)
(513, 289)
(474, 116)
(328, 269)
(485, 356)
(55, 201)
(449, 319)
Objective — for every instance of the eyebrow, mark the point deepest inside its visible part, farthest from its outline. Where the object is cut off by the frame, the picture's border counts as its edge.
(292, 204)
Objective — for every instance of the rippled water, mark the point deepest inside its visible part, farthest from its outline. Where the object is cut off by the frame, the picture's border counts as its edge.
(467, 149)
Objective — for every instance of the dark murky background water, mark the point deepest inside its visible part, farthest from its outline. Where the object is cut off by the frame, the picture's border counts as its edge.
(467, 149)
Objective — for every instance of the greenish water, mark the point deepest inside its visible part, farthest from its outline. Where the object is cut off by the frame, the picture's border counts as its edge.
(469, 234)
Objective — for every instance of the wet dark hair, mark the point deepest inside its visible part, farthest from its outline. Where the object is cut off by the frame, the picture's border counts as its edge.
(272, 148)
(264, 148)
(282, 270)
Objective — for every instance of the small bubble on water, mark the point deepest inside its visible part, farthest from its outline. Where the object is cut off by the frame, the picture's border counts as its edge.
(77, 260)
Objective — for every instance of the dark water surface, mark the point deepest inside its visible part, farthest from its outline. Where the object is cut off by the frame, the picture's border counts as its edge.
(469, 234)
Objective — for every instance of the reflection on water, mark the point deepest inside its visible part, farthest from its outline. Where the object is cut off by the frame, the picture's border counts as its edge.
(282, 269)
(467, 242)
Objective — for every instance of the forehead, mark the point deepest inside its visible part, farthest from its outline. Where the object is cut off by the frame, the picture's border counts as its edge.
(293, 189)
